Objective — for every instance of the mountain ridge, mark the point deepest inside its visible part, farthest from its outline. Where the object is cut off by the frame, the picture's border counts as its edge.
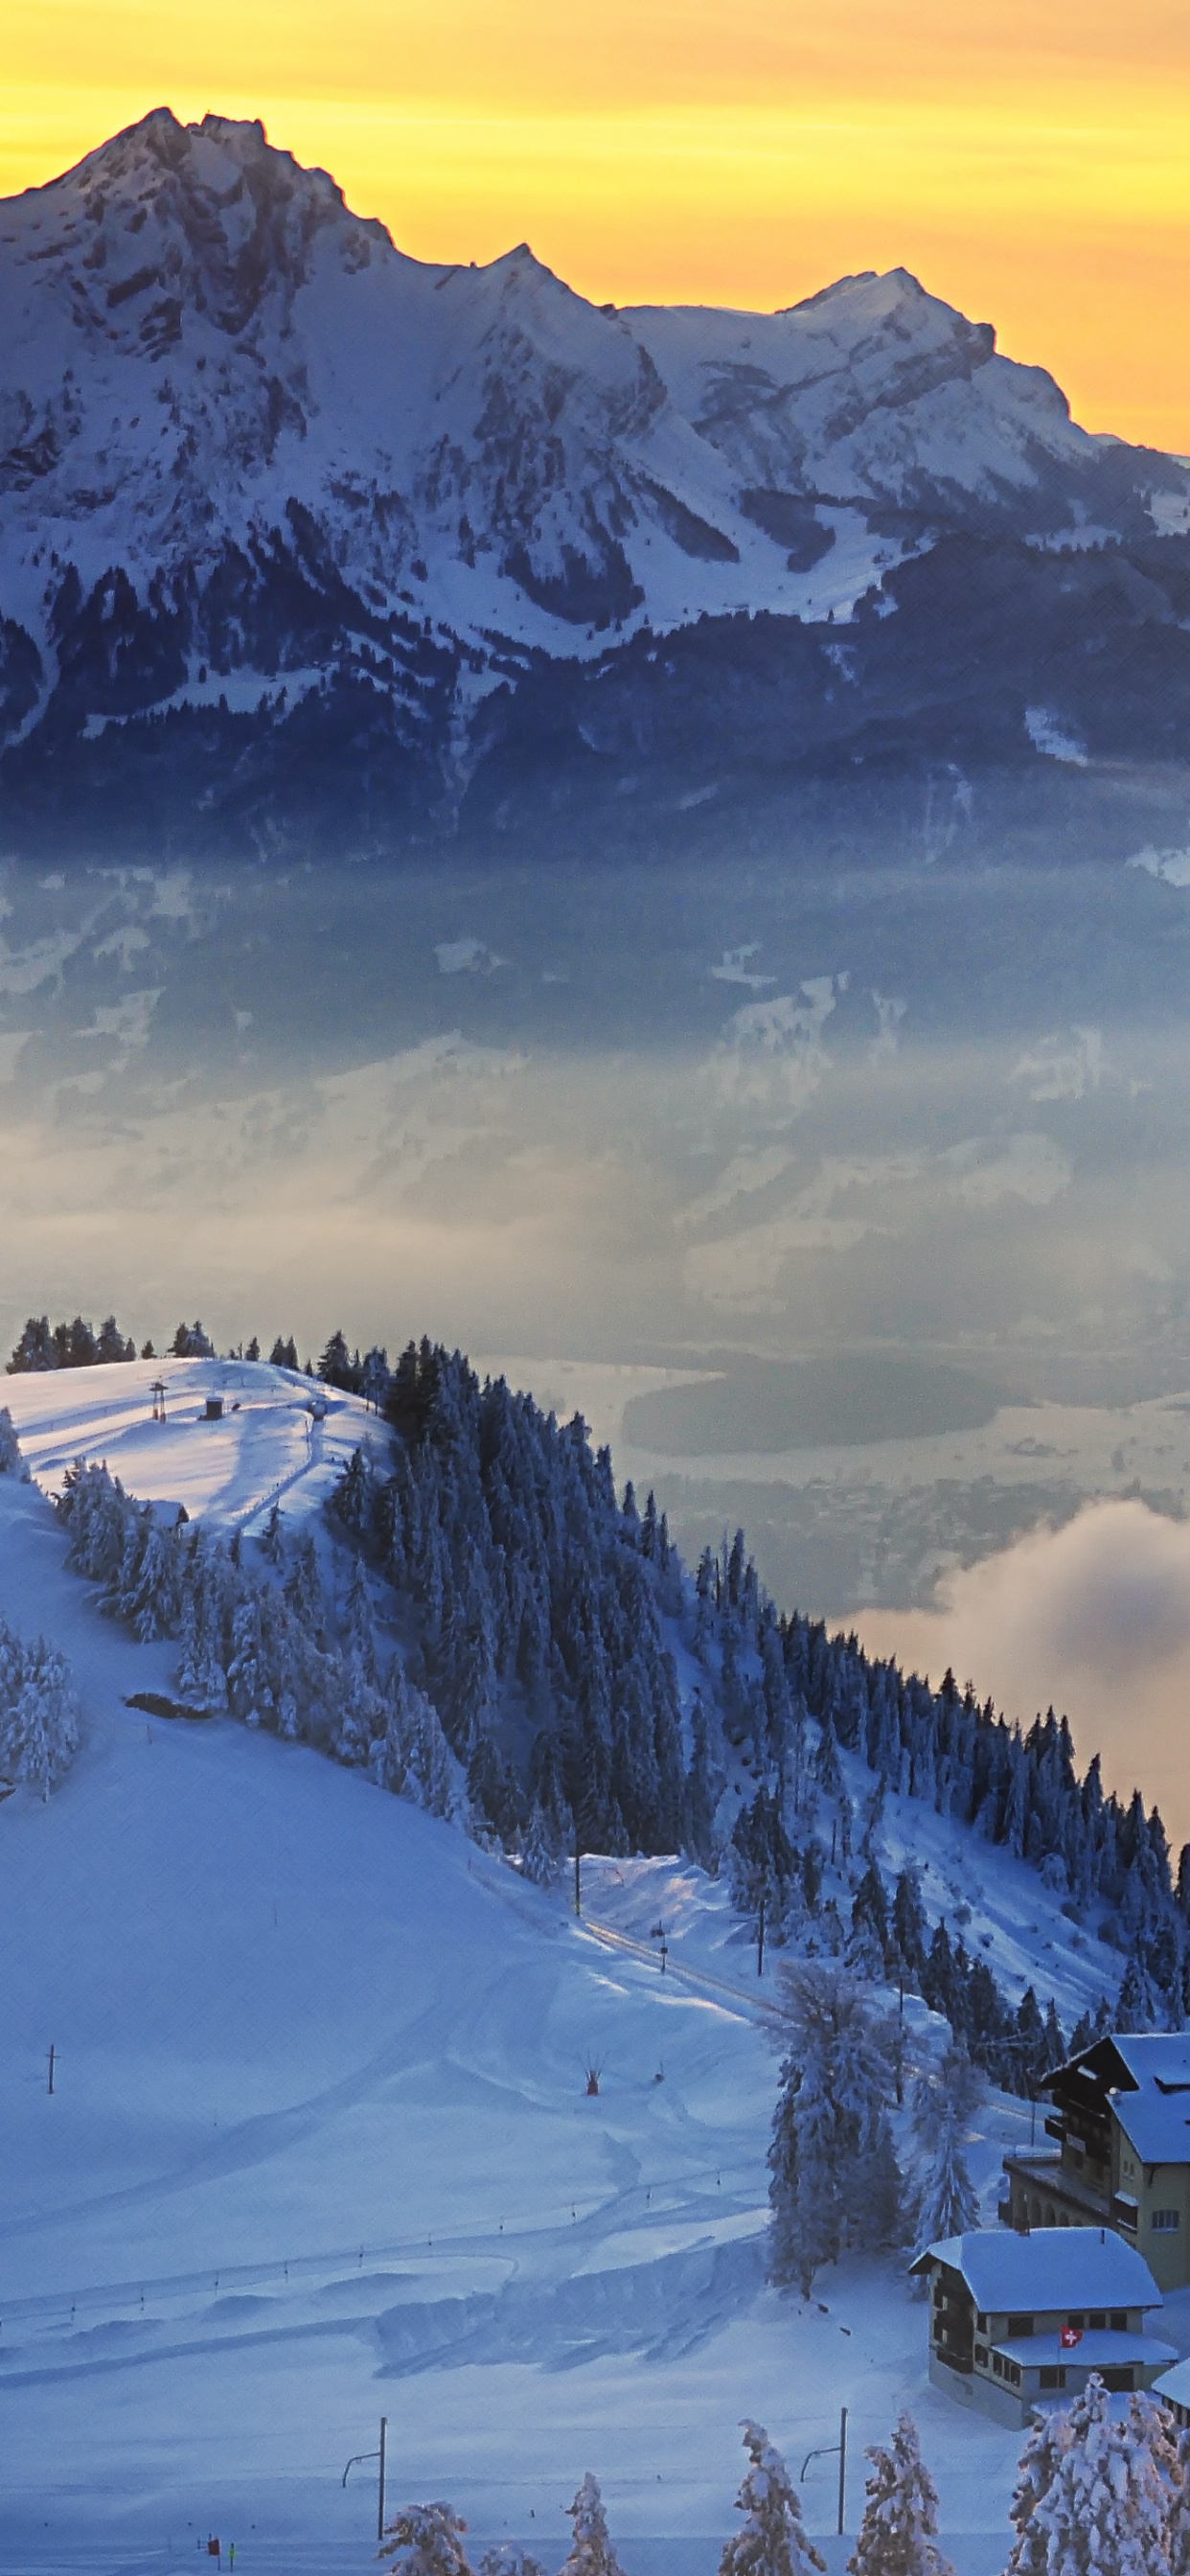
(260, 469)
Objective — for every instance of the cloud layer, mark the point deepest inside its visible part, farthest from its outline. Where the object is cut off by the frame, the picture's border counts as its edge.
(1094, 1617)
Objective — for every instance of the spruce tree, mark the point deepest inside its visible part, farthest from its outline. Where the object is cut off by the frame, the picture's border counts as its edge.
(774, 2540)
(1047, 2438)
(590, 2552)
(36, 1349)
(11, 1461)
(1105, 2511)
(943, 2197)
(834, 2180)
(898, 2534)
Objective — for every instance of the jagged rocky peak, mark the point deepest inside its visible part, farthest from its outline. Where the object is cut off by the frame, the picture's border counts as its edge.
(166, 217)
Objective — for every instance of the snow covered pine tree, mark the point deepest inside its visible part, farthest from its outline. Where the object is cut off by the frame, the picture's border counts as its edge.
(945, 2097)
(426, 2540)
(590, 2552)
(774, 2540)
(1106, 2509)
(11, 1461)
(39, 1713)
(898, 2534)
(834, 2176)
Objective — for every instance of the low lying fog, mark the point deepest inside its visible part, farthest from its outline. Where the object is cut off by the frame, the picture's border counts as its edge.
(923, 1135)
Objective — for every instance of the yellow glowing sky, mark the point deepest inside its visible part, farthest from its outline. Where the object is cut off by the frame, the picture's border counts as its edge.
(1027, 158)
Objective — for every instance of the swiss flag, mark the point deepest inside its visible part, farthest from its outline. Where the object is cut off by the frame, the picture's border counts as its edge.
(1070, 2336)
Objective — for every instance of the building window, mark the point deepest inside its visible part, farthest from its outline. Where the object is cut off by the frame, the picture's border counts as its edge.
(1053, 2379)
(1076, 2321)
(981, 2355)
(1096, 2321)
(1119, 2321)
(981, 2325)
(1013, 2374)
(1024, 2325)
(998, 2364)
(1163, 2222)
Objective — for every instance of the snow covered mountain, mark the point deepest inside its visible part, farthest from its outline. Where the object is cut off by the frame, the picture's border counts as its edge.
(320, 2122)
(351, 516)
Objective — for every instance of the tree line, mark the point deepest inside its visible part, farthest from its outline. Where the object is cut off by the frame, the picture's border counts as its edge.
(1097, 2489)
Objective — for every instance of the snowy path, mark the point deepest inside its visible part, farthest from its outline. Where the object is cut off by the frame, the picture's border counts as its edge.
(699, 1980)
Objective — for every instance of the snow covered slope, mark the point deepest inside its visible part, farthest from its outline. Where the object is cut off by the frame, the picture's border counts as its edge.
(247, 446)
(319, 2146)
(282, 1438)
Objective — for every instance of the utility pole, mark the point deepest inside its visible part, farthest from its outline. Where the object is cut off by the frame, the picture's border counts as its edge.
(53, 2054)
(760, 1941)
(578, 1884)
(827, 2452)
(383, 2466)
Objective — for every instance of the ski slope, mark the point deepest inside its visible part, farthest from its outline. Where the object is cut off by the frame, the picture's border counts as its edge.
(320, 2147)
(283, 1437)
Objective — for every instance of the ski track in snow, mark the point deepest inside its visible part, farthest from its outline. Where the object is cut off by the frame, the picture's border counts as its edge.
(320, 2147)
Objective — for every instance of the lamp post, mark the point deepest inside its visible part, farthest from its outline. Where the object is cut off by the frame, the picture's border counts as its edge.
(358, 2459)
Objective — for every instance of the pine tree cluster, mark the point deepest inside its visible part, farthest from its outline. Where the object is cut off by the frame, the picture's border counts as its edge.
(261, 1642)
(1102, 2492)
(56, 1346)
(835, 2183)
(1017, 1788)
(39, 1713)
(536, 1602)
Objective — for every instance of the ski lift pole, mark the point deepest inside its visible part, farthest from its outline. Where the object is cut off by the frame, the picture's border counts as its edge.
(359, 2460)
(827, 2452)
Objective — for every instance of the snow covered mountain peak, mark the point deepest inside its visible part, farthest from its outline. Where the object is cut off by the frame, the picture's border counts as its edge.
(206, 221)
(247, 445)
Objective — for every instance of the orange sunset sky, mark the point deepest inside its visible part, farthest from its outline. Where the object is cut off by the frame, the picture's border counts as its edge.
(1029, 159)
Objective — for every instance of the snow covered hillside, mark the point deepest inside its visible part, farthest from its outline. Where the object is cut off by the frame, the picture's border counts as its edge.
(282, 1438)
(257, 464)
(320, 2147)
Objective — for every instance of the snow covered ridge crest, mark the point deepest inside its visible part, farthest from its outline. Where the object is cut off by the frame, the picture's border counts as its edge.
(252, 456)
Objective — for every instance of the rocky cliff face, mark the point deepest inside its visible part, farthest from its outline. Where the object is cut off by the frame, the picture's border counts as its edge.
(299, 534)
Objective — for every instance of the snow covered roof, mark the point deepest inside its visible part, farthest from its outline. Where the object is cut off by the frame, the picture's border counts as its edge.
(1155, 2116)
(1095, 2352)
(1050, 2268)
(1174, 2384)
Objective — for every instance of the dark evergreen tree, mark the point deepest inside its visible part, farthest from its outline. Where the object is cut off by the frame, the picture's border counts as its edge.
(36, 1348)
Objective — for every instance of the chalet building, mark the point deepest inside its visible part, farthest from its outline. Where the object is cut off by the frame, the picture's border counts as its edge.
(1018, 2321)
(1173, 2386)
(1121, 2122)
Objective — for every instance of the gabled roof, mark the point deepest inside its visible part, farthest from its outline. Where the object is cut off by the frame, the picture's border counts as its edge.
(1147, 2075)
(1051, 2268)
(1174, 2384)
